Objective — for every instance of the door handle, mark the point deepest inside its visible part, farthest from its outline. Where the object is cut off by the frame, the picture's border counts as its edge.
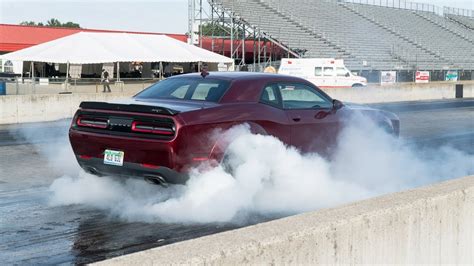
(321, 114)
(296, 119)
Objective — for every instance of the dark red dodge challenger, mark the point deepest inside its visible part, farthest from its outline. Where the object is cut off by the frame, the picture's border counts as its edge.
(166, 129)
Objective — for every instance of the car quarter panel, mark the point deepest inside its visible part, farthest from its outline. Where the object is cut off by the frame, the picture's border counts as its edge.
(203, 124)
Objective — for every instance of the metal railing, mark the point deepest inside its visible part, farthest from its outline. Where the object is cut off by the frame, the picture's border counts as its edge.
(458, 11)
(261, 67)
(23, 86)
(400, 4)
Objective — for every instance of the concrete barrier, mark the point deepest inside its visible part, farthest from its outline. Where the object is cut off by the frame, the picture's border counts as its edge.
(18, 88)
(429, 225)
(47, 107)
(400, 92)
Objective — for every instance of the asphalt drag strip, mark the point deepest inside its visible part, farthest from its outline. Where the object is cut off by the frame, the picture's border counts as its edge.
(33, 232)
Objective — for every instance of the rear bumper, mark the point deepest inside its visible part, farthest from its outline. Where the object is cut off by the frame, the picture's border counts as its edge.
(134, 170)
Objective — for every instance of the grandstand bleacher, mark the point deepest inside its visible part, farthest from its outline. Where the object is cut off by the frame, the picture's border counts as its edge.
(367, 37)
(462, 20)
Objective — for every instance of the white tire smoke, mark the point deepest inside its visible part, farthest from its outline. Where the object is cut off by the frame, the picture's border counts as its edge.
(270, 178)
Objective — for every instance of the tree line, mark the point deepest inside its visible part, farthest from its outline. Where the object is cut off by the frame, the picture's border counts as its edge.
(52, 23)
(207, 29)
(218, 30)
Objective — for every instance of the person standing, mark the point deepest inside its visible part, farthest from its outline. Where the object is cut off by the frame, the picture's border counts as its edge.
(168, 70)
(105, 80)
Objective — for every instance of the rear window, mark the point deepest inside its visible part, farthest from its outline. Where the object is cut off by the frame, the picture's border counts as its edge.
(199, 89)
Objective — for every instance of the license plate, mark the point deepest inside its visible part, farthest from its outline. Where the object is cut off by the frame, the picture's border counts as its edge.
(113, 157)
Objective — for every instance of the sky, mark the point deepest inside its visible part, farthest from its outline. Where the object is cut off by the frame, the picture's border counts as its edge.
(167, 16)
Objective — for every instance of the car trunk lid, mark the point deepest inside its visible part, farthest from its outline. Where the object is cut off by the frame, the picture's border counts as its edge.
(150, 106)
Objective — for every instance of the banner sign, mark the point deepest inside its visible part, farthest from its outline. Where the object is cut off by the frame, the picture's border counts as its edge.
(422, 77)
(221, 67)
(451, 75)
(388, 77)
(43, 81)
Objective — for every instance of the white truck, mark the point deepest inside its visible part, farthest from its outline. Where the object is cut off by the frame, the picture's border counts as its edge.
(323, 72)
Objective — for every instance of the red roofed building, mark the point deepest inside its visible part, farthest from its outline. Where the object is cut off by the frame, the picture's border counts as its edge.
(17, 37)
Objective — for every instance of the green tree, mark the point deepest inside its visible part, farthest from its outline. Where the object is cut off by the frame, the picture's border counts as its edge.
(53, 23)
(70, 24)
(28, 23)
(218, 30)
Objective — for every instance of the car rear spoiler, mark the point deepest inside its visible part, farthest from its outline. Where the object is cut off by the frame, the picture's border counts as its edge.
(137, 108)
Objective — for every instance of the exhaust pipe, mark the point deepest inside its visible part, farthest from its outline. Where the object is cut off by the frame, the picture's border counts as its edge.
(156, 179)
(93, 171)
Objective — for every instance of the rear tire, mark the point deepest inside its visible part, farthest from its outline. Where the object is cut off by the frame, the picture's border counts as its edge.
(387, 128)
(226, 165)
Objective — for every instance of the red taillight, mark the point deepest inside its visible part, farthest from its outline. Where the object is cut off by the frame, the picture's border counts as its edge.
(200, 159)
(92, 122)
(150, 128)
(151, 166)
(85, 157)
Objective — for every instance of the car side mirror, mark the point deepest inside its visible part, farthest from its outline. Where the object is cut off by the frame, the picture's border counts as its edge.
(347, 74)
(336, 104)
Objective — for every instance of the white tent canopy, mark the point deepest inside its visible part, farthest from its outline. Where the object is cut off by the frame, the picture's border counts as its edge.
(97, 48)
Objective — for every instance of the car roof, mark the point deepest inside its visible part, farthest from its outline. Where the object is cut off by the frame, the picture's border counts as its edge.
(246, 86)
(235, 75)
